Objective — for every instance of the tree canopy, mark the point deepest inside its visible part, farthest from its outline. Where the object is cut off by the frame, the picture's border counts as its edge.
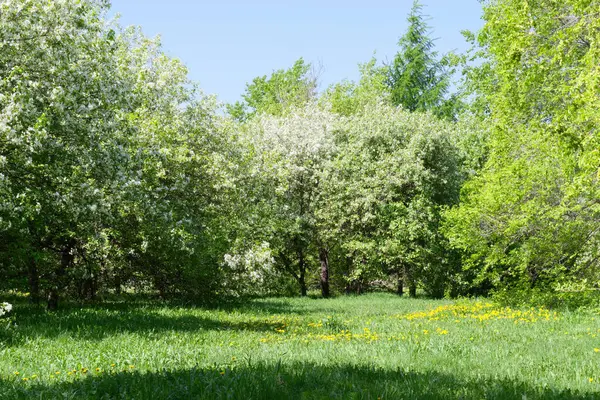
(118, 173)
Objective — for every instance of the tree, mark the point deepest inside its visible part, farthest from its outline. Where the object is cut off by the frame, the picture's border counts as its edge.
(417, 79)
(348, 98)
(108, 156)
(289, 154)
(383, 192)
(283, 90)
(530, 219)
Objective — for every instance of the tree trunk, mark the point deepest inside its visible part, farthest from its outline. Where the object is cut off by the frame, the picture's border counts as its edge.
(118, 283)
(400, 289)
(412, 285)
(34, 282)
(302, 283)
(323, 257)
(66, 258)
(302, 276)
(412, 290)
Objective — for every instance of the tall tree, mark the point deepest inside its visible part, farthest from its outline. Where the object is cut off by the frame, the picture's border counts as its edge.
(290, 153)
(531, 218)
(105, 155)
(383, 191)
(283, 90)
(417, 78)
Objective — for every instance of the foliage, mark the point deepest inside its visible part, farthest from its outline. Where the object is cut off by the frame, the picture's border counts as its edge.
(348, 98)
(529, 220)
(289, 154)
(417, 79)
(283, 90)
(383, 192)
(107, 154)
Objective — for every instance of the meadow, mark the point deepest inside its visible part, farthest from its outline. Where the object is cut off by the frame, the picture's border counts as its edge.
(375, 346)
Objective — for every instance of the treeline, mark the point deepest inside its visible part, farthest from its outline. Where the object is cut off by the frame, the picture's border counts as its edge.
(118, 173)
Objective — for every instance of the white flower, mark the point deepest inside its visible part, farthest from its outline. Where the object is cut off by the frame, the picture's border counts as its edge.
(5, 308)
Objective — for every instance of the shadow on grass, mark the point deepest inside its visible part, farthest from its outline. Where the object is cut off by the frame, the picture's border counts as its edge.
(96, 322)
(297, 381)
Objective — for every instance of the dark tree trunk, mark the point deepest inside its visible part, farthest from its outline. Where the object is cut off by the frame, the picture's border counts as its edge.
(302, 271)
(302, 283)
(323, 257)
(34, 282)
(118, 284)
(66, 258)
(400, 289)
(412, 285)
(412, 290)
(89, 288)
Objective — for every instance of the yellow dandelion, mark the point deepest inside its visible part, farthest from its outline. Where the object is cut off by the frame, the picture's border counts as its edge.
(25, 379)
(97, 369)
(84, 370)
(131, 366)
(113, 365)
(222, 373)
(17, 373)
(596, 350)
(591, 380)
(57, 373)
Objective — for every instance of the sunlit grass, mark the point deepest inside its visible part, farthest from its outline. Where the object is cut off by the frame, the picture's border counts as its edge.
(373, 346)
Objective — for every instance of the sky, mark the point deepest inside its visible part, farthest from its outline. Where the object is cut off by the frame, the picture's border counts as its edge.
(227, 43)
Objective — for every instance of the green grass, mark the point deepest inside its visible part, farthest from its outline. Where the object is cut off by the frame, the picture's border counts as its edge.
(368, 347)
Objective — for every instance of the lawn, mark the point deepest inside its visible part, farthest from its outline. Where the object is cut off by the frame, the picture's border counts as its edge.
(374, 346)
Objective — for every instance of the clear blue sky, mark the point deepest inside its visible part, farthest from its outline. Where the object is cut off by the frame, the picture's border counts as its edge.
(226, 43)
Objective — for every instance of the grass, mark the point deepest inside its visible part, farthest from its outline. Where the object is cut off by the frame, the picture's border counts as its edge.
(369, 347)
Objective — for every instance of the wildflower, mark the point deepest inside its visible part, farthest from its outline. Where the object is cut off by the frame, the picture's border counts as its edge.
(25, 379)
(222, 373)
(113, 365)
(131, 366)
(97, 369)
(596, 350)
(57, 373)
(17, 372)
(84, 370)
(591, 380)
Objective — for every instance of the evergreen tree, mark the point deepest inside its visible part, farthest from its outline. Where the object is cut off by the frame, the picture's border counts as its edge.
(417, 79)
